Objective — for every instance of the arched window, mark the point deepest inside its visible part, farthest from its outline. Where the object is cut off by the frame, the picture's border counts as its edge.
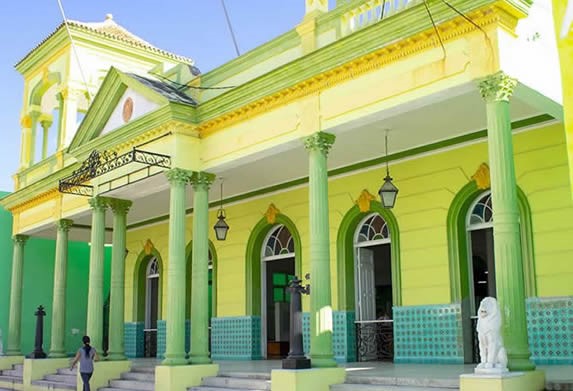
(279, 244)
(479, 227)
(373, 229)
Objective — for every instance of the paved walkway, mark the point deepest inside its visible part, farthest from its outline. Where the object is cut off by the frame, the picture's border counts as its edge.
(377, 369)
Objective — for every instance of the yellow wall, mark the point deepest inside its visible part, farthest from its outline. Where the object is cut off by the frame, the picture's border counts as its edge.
(427, 187)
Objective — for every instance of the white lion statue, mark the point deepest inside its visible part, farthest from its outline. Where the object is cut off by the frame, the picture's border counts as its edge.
(492, 353)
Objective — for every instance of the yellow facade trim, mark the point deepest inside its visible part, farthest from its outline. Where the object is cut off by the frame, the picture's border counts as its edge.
(272, 213)
(148, 247)
(481, 177)
(35, 201)
(365, 64)
(363, 201)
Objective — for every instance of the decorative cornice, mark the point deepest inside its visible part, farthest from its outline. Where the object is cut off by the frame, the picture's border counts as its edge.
(363, 201)
(118, 206)
(35, 201)
(320, 141)
(272, 213)
(98, 203)
(201, 180)
(63, 225)
(370, 62)
(178, 176)
(20, 239)
(498, 87)
(481, 177)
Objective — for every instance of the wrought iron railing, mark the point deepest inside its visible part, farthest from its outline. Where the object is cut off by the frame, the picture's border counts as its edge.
(375, 340)
(100, 163)
(371, 11)
(150, 342)
(475, 341)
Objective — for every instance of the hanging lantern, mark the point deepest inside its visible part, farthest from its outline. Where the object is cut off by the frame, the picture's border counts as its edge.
(221, 227)
(388, 191)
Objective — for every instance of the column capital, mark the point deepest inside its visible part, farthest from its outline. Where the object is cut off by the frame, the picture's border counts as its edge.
(320, 141)
(119, 206)
(498, 87)
(46, 120)
(178, 176)
(201, 179)
(20, 239)
(64, 225)
(98, 203)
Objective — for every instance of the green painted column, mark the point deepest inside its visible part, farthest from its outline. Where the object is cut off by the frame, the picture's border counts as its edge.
(321, 353)
(175, 311)
(94, 326)
(57, 346)
(117, 287)
(15, 317)
(201, 182)
(497, 90)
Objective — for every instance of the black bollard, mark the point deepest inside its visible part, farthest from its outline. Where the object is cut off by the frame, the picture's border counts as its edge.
(38, 351)
(296, 358)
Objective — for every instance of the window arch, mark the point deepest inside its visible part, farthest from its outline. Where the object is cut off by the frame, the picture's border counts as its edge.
(457, 222)
(279, 244)
(373, 229)
(480, 214)
(346, 239)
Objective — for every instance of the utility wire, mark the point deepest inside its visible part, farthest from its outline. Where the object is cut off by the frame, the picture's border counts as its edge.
(182, 86)
(230, 28)
(435, 27)
(74, 49)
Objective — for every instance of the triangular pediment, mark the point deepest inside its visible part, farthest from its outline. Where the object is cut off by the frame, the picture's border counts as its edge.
(121, 100)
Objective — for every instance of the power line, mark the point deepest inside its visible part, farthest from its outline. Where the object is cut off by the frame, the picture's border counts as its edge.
(74, 49)
(230, 28)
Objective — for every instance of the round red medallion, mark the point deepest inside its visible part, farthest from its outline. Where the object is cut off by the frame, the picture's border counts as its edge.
(127, 109)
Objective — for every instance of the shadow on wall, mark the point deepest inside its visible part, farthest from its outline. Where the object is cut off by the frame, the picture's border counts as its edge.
(38, 284)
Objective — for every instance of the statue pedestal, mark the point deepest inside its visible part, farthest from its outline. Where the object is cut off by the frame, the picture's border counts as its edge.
(491, 371)
(507, 381)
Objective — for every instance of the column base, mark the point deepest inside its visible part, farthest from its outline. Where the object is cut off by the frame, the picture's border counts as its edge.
(173, 360)
(520, 364)
(510, 381)
(323, 362)
(200, 360)
(13, 353)
(296, 363)
(115, 357)
(170, 378)
(306, 379)
(58, 354)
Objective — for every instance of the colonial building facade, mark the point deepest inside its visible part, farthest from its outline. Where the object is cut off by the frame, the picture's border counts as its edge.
(289, 144)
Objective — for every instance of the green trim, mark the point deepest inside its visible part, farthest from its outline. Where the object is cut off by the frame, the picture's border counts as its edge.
(42, 86)
(253, 260)
(188, 280)
(458, 242)
(83, 226)
(139, 280)
(345, 254)
(481, 134)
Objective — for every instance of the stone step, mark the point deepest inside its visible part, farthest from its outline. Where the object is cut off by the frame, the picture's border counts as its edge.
(207, 388)
(405, 381)
(241, 383)
(143, 369)
(381, 387)
(565, 385)
(11, 379)
(50, 385)
(67, 371)
(12, 372)
(68, 379)
(247, 375)
(140, 376)
(132, 385)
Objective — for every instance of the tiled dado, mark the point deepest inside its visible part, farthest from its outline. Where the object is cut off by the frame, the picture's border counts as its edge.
(343, 338)
(133, 339)
(550, 329)
(236, 338)
(428, 334)
(161, 337)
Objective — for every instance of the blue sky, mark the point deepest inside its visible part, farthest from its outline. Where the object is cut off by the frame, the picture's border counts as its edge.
(194, 28)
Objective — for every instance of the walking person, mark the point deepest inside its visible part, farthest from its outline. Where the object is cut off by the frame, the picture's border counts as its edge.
(86, 355)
